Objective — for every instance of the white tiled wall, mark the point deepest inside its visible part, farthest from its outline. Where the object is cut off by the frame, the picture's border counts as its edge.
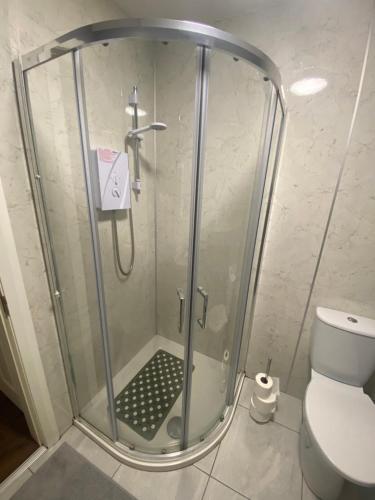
(346, 274)
(308, 39)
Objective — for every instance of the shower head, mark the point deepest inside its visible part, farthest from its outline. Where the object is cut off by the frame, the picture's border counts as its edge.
(153, 126)
(158, 126)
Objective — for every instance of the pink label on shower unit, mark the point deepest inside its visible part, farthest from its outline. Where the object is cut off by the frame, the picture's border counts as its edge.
(107, 155)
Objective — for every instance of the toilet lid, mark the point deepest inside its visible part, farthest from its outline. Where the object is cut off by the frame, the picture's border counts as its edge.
(341, 419)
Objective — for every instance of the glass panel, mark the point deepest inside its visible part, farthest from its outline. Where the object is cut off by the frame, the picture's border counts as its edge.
(175, 100)
(261, 228)
(143, 307)
(53, 105)
(236, 103)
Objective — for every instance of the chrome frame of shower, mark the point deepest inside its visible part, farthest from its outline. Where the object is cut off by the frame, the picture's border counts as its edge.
(28, 139)
(201, 91)
(251, 236)
(152, 29)
(205, 38)
(85, 149)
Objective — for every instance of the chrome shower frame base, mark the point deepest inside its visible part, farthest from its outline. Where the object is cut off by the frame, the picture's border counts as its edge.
(168, 461)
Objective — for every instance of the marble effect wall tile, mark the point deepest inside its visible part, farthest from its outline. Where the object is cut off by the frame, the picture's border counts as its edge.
(346, 275)
(310, 40)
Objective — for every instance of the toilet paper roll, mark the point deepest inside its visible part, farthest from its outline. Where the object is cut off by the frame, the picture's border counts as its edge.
(263, 385)
(257, 416)
(266, 406)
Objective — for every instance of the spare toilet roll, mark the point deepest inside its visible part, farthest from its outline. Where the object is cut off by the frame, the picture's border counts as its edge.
(256, 415)
(263, 385)
(266, 406)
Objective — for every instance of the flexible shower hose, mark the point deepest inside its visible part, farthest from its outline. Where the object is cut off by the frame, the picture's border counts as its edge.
(124, 272)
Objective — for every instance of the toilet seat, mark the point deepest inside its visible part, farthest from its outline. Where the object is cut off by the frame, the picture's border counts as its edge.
(341, 420)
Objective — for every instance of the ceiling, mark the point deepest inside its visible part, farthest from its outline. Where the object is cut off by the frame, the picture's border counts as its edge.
(195, 10)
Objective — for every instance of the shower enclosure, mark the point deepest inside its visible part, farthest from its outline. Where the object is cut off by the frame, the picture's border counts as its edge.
(154, 356)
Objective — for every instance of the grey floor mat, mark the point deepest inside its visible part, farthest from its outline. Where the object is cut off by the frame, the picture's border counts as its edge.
(146, 401)
(67, 475)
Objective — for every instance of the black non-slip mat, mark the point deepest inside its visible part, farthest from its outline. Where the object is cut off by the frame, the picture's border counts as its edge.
(67, 475)
(146, 401)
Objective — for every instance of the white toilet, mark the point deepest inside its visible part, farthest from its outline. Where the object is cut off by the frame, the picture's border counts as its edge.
(337, 439)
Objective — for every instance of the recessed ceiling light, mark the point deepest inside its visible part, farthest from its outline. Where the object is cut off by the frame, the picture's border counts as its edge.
(308, 86)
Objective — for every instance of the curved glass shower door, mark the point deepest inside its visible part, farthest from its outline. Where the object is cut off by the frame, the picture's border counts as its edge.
(236, 102)
(148, 161)
(145, 309)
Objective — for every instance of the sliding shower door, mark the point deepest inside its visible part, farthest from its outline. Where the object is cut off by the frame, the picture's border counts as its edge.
(235, 106)
(145, 309)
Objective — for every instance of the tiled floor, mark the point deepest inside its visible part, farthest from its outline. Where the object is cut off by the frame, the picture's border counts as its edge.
(254, 461)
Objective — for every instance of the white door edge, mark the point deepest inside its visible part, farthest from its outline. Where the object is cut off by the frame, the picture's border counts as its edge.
(22, 338)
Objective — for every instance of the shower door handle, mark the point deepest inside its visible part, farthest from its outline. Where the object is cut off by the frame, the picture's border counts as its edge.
(181, 298)
(202, 321)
